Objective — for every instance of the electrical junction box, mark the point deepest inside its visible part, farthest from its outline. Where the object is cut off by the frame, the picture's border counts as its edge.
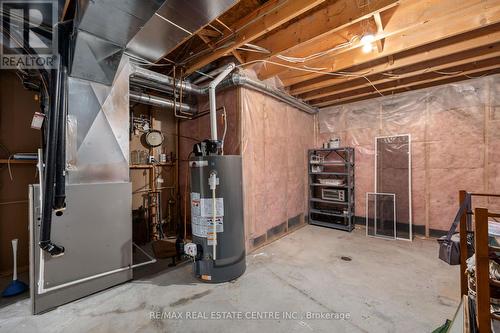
(190, 249)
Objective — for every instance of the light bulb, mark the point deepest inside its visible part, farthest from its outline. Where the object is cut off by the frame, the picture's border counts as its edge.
(367, 48)
(367, 41)
(368, 38)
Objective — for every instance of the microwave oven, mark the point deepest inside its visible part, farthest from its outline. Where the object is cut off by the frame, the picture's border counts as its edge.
(333, 195)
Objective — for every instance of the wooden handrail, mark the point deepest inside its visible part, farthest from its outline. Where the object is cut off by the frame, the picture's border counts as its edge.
(482, 248)
(485, 195)
(463, 246)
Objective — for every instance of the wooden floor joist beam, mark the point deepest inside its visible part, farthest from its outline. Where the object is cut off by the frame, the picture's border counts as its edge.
(478, 39)
(461, 17)
(439, 80)
(255, 25)
(320, 25)
(443, 63)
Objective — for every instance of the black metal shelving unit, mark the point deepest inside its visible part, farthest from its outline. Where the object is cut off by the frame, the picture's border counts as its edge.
(328, 208)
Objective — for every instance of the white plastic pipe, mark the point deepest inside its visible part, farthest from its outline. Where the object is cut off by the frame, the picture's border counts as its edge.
(212, 98)
(41, 282)
(214, 221)
(213, 182)
(14, 251)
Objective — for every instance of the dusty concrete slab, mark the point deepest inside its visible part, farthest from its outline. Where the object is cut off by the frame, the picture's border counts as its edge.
(387, 286)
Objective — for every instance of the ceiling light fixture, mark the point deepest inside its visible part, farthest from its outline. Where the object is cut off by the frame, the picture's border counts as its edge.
(367, 42)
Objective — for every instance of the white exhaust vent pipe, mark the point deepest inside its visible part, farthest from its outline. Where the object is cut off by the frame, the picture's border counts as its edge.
(212, 98)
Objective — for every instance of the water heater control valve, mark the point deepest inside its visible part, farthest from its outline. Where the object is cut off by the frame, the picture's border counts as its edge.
(190, 249)
(213, 181)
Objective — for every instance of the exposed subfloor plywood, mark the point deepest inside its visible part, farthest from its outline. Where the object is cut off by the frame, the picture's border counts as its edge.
(389, 286)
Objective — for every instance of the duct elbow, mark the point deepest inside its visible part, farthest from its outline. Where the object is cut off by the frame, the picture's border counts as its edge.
(229, 68)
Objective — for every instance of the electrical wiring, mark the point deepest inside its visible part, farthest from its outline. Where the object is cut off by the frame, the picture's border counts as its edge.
(319, 54)
(13, 202)
(10, 169)
(235, 32)
(448, 73)
(138, 61)
(185, 196)
(315, 68)
(254, 48)
(224, 115)
(475, 77)
(206, 75)
(428, 70)
(8, 153)
(343, 74)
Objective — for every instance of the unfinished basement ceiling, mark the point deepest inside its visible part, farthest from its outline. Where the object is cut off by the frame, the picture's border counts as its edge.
(314, 46)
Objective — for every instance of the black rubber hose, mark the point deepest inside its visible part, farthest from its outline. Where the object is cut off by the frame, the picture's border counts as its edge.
(60, 177)
(50, 170)
(54, 196)
(64, 29)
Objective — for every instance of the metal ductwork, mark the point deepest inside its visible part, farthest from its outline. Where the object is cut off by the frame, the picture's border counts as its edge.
(234, 80)
(143, 83)
(103, 28)
(162, 102)
(174, 22)
(139, 72)
(96, 220)
(243, 81)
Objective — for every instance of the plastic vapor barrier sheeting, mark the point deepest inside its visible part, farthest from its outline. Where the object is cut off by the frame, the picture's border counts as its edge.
(275, 140)
(455, 144)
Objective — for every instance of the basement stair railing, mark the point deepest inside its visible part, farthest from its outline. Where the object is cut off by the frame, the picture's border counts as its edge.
(484, 251)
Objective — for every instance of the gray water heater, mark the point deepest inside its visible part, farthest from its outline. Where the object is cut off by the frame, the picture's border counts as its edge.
(218, 248)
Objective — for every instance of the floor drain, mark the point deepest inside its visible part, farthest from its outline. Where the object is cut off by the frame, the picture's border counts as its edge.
(346, 258)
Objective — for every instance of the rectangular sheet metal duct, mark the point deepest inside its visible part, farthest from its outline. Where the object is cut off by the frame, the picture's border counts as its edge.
(173, 22)
(103, 28)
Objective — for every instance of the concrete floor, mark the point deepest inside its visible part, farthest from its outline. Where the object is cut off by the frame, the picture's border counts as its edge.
(388, 286)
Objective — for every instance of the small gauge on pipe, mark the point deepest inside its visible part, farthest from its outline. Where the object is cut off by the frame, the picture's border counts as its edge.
(154, 138)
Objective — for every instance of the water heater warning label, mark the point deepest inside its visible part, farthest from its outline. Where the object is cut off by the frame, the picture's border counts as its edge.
(207, 207)
(202, 226)
(202, 215)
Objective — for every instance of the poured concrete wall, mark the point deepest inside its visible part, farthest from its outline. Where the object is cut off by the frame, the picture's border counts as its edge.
(455, 133)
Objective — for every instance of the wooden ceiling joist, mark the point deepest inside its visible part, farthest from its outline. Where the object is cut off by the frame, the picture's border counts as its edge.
(421, 85)
(457, 59)
(320, 25)
(209, 33)
(477, 39)
(380, 31)
(430, 76)
(315, 45)
(265, 19)
(429, 24)
(355, 89)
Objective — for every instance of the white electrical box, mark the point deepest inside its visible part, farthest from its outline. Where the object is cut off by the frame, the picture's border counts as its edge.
(190, 249)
